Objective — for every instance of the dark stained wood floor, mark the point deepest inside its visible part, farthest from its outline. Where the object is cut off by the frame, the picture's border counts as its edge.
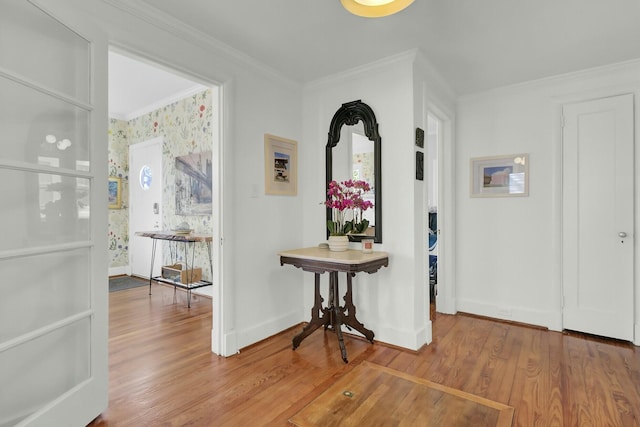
(162, 372)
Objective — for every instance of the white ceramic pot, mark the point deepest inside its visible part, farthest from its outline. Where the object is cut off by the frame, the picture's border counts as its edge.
(338, 243)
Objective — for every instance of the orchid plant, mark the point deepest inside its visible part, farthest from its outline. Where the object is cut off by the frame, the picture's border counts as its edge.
(343, 198)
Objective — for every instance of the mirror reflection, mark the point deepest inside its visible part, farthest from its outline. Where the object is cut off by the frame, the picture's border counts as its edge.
(353, 154)
(362, 169)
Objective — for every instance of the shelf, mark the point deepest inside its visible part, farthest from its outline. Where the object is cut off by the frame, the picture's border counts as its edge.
(188, 286)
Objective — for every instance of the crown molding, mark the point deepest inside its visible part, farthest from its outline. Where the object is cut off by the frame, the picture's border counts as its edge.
(587, 73)
(160, 103)
(434, 75)
(355, 71)
(147, 13)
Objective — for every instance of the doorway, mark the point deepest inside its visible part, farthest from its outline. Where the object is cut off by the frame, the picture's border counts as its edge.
(187, 115)
(145, 205)
(434, 126)
(598, 216)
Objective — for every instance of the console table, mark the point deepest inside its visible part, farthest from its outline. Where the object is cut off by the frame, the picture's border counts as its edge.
(188, 241)
(318, 261)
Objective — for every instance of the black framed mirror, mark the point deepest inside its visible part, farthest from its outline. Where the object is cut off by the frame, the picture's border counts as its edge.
(351, 114)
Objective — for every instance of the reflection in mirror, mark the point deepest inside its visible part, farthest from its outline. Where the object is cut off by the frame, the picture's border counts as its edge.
(357, 158)
(362, 168)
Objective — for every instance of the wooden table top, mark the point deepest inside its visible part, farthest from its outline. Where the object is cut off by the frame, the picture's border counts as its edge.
(175, 236)
(350, 256)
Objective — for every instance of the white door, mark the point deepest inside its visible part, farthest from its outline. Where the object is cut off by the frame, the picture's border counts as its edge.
(598, 225)
(145, 205)
(53, 219)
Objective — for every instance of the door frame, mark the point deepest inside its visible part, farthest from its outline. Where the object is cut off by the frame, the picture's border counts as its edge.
(446, 298)
(556, 299)
(222, 304)
(159, 140)
(575, 316)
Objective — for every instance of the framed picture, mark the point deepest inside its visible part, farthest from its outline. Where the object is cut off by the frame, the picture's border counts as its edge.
(501, 176)
(194, 180)
(280, 166)
(115, 192)
(419, 165)
(420, 137)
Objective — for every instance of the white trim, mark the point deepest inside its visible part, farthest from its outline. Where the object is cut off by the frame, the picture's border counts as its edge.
(31, 167)
(32, 335)
(220, 301)
(198, 88)
(446, 299)
(44, 90)
(159, 142)
(266, 329)
(40, 250)
(558, 102)
(561, 78)
(119, 271)
(543, 318)
(166, 22)
(409, 339)
(146, 143)
(356, 71)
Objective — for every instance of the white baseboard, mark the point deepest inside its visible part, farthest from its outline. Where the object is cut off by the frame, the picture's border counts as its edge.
(230, 344)
(545, 318)
(118, 271)
(429, 332)
(269, 328)
(412, 340)
(409, 339)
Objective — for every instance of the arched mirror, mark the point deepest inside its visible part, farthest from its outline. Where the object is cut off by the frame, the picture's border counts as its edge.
(357, 158)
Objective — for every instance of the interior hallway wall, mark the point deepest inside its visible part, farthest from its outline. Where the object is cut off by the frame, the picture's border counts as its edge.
(508, 249)
(393, 301)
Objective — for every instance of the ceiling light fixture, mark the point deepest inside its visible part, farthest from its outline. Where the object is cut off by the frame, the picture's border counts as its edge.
(375, 8)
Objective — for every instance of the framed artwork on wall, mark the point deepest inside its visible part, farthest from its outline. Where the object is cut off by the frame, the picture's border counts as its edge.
(280, 166)
(500, 176)
(420, 137)
(194, 181)
(115, 192)
(419, 165)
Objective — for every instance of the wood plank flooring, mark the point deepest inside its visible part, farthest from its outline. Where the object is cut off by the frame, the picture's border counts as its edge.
(162, 372)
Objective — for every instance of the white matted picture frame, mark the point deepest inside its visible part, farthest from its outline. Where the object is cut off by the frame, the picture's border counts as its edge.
(500, 176)
(280, 166)
(115, 192)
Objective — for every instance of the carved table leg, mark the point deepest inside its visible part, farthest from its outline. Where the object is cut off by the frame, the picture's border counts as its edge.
(316, 320)
(336, 314)
(349, 318)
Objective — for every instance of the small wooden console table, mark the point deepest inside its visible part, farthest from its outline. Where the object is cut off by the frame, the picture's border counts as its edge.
(188, 241)
(318, 261)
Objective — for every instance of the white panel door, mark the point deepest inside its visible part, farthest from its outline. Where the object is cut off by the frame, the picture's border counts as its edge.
(598, 224)
(145, 205)
(53, 219)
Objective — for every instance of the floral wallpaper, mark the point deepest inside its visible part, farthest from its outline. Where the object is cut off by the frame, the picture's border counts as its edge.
(367, 163)
(185, 126)
(119, 218)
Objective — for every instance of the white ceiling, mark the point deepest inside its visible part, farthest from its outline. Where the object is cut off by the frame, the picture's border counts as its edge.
(474, 44)
(136, 87)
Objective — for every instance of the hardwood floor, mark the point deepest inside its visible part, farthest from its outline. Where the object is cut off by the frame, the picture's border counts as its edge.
(162, 372)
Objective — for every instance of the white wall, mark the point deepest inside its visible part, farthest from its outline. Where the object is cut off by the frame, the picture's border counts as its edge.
(508, 249)
(260, 297)
(391, 302)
